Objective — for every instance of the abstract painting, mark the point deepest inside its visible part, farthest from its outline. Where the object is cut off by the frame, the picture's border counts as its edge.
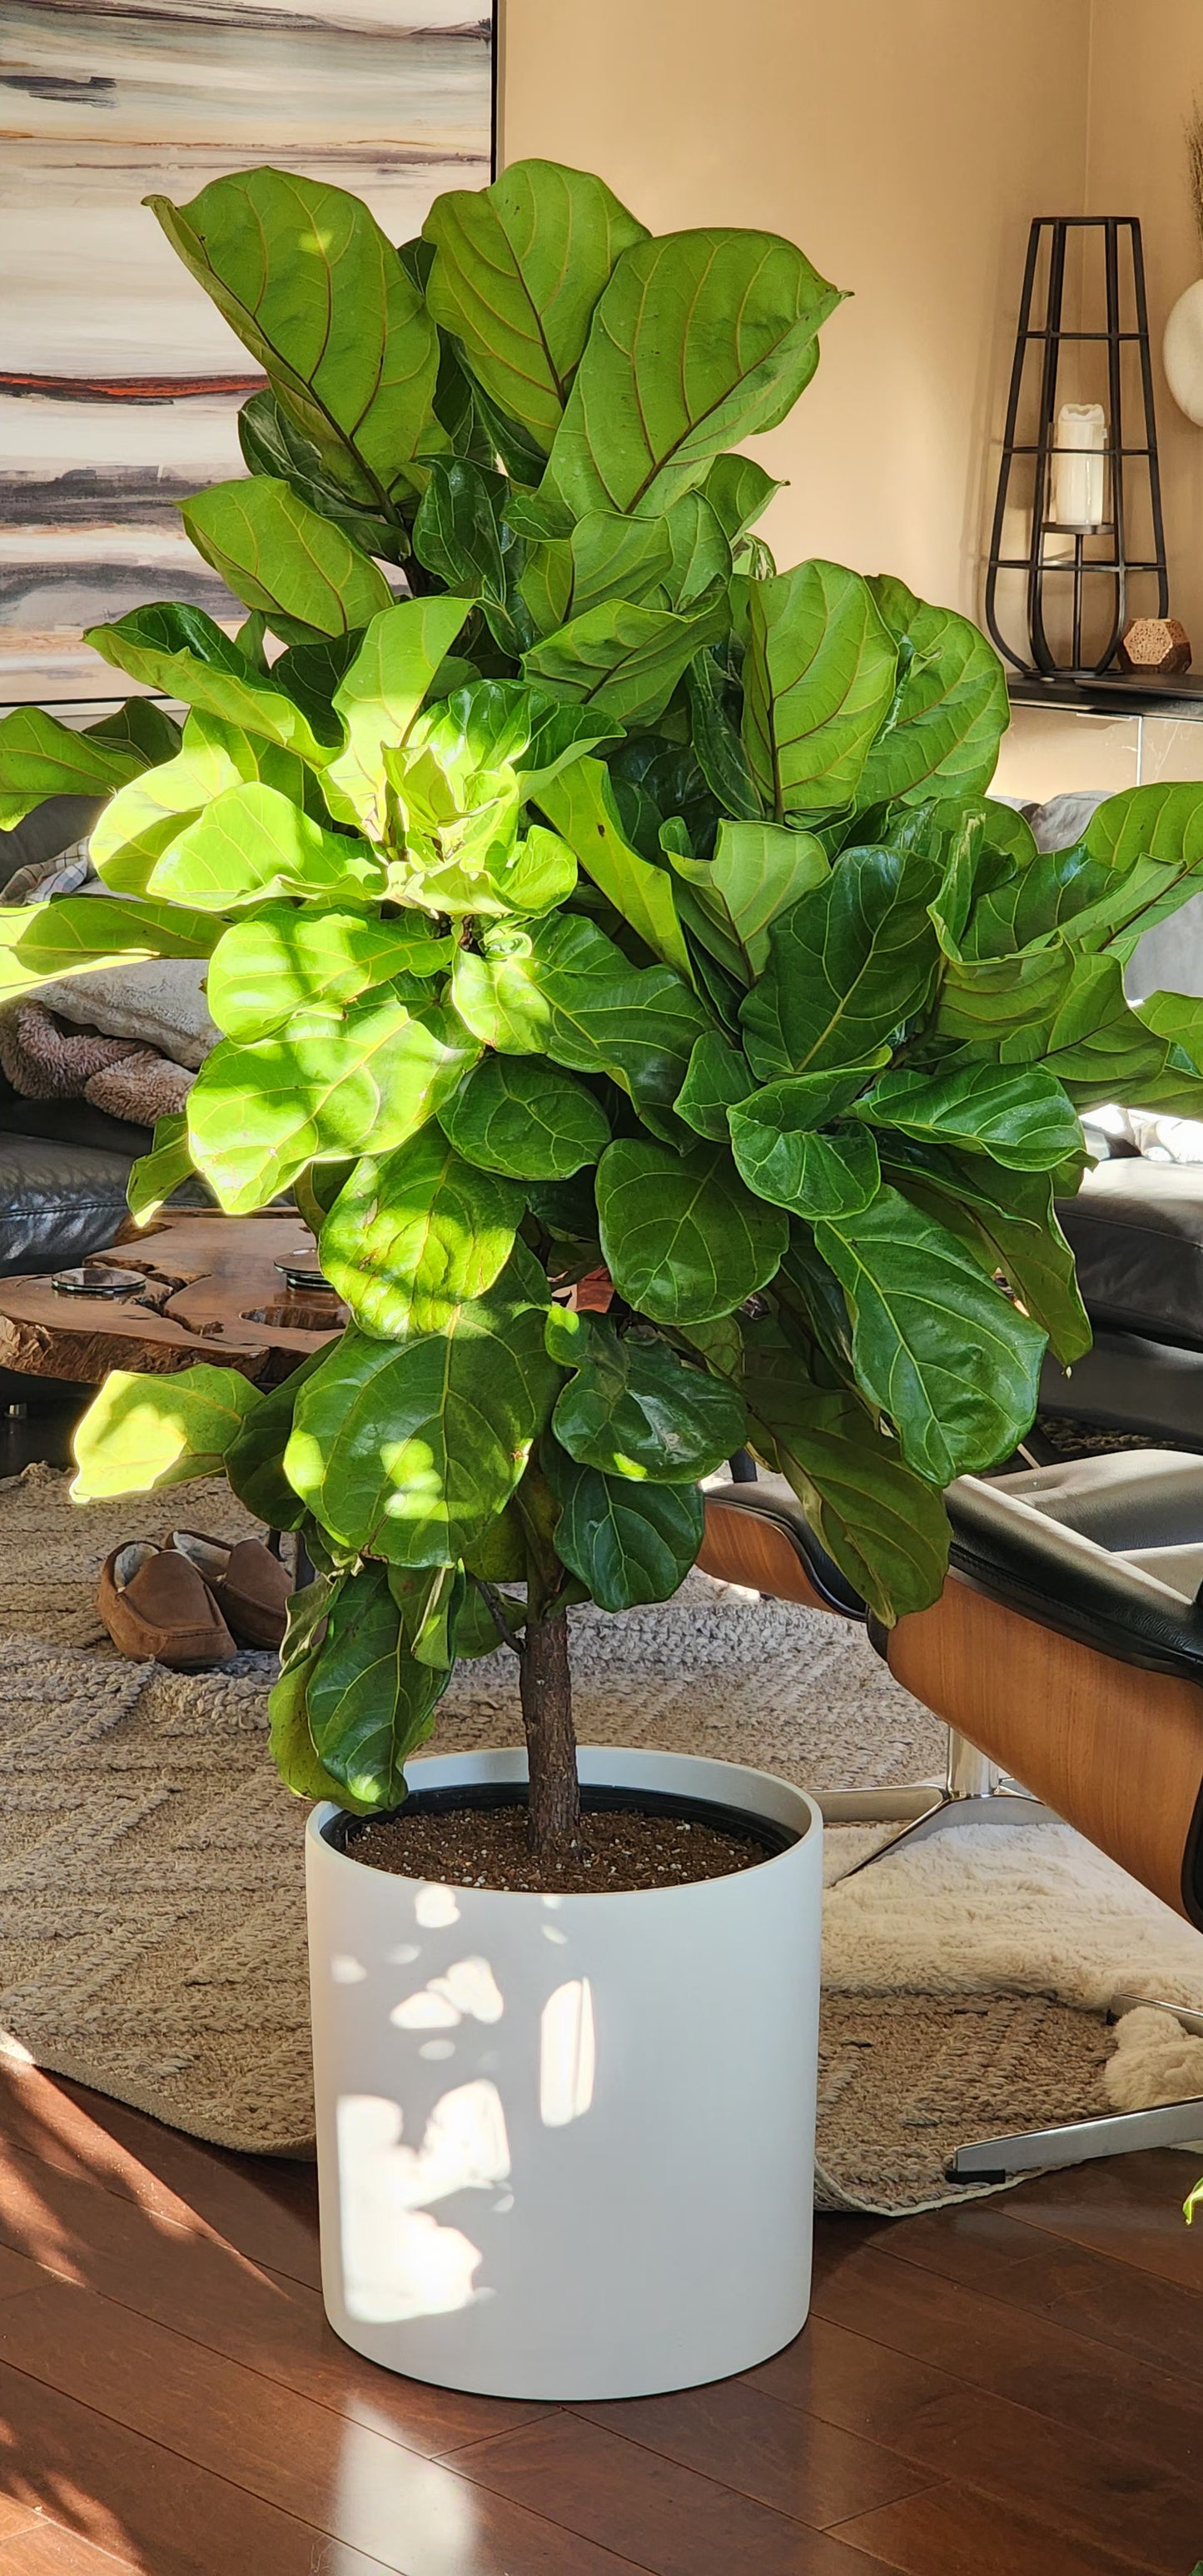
(119, 382)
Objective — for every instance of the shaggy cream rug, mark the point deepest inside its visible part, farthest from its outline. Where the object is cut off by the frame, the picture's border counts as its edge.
(151, 1917)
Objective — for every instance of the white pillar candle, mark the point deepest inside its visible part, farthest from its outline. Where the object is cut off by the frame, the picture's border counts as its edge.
(1077, 481)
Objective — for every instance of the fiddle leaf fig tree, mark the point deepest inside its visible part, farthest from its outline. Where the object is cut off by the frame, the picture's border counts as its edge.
(581, 893)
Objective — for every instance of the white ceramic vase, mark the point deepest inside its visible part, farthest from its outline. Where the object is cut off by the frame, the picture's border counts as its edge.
(1182, 352)
(566, 2144)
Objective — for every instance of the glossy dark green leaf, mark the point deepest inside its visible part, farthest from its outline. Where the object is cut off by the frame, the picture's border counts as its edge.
(254, 1461)
(526, 1118)
(415, 1233)
(251, 843)
(717, 743)
(272, 444)
(282, 961)
(682, 1237)
(370, 1703)
(847, 965)
(316, 292)
(624, 658)
(1008, 1222)
(1022, 1118)
(717, 1080)
(819, 681)
(700, 340)
(140, 1433)
(324, 1088)
(632, 1408)
(280, 556)
(581, 804)
(564, 990)
(812, 1174)
(518, 272)
(757, 872)
(409, 1449)
(460, 534)
(1094, 1044)
(628, 1542)
(183, 651)
(941, 1352)
(996, 1001)
(949, 711)
(885, 1527)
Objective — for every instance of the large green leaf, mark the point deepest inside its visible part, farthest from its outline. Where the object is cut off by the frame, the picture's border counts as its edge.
(281, 961)
(77, 934)
(144, 817)
(628, 1542)
(700, 340)
(140, 1433)
(251, 843)
(1094, 1043)
(1007, 1221)
(369, 1702)
(949, 711)
(183, 651)
(275, 553)
(518, 272)
(847, 965)
(460, 534)
(380, 696)
(564, 990)
(818, 680)
(1090, 904)
(716, 740)
(317, 293)
(683, 1239)
(414, 1233)
(757, 872)
(796, 1167)
(1022, 1119)
(581, 804)
(885, 1527)
(39, 757)
(1162, 822)
(326, 1088)
(623, 657)
(272, 444)
(632, 1408)
(410, 1449)
(739, 492)
(525, 1118)
(254, 1461)
(997, 1001)
(717, 1080)
(156, 1174)
(935, 1345)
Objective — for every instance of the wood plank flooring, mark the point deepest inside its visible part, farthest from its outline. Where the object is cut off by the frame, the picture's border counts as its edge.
(1011, 2388)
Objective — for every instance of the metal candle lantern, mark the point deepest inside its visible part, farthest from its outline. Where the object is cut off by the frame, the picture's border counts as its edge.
(1070, 458)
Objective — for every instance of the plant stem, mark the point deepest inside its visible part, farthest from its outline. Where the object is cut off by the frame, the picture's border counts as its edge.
(545, 1684)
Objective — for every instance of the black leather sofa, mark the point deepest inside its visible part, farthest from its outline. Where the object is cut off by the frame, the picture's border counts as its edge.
(63, 1165)
(1136, 1229)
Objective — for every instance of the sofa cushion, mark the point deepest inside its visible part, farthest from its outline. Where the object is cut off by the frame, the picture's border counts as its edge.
(72, 1122)
(58, 1202)
(1136, 1229)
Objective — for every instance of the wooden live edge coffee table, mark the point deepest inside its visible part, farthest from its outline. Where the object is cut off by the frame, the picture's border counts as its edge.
(213, 1292)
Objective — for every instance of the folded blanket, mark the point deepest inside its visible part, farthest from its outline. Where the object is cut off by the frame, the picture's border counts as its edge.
(44, 1061)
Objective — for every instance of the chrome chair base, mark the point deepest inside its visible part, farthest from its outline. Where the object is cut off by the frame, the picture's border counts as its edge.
(974, 1793)
(1077, 2142)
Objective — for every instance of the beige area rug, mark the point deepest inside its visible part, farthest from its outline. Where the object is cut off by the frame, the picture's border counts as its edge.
(151, 1910)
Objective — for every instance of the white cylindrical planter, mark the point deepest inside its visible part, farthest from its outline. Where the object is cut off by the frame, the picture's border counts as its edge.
(1182, 352)
(566, 2143)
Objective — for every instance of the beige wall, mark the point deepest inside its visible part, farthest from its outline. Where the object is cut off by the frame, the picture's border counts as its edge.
(905, 147)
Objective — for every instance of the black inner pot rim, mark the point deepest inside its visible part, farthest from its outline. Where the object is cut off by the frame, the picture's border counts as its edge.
(481, 1797)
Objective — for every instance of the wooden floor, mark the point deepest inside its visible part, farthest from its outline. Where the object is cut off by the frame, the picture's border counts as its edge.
(1008, 2389)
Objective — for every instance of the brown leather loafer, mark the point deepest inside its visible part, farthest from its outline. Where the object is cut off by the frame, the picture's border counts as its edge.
(248, 1583)
(157, 1608)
